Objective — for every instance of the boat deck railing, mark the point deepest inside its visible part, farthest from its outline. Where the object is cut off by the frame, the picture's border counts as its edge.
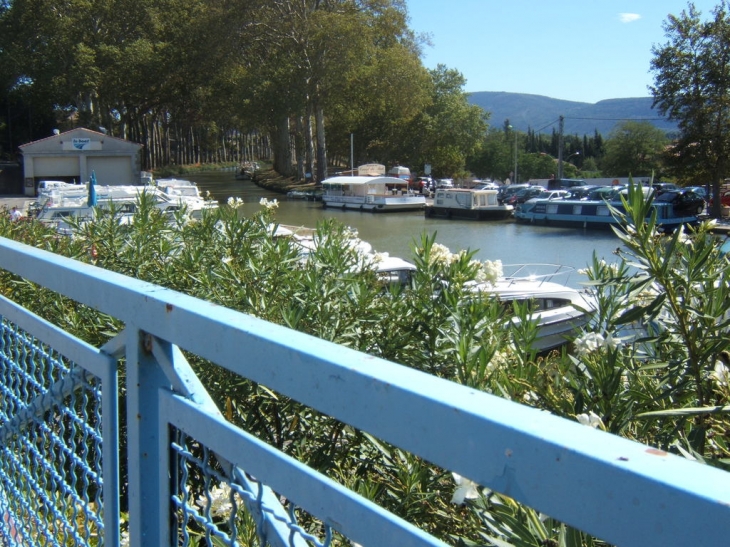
(537, 272)
(122, 443)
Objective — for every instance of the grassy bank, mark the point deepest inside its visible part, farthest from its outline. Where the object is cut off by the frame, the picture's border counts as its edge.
(266, 177)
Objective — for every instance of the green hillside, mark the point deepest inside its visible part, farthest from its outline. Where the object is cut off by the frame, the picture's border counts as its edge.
(540, 113)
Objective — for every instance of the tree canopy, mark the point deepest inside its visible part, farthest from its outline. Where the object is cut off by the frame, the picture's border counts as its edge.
(692, 86)
(634, 148)
(188, 77)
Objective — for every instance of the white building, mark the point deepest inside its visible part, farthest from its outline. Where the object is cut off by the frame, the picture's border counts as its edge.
(73, 155)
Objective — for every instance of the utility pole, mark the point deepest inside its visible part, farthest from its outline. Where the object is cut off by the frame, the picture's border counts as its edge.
(560, 148)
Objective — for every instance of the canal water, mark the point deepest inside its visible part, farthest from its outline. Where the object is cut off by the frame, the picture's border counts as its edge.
(397, 233)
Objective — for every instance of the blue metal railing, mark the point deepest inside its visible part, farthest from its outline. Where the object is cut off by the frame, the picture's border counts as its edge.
(60, 463)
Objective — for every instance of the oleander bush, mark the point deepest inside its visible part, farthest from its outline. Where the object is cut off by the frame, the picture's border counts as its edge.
(654, 365)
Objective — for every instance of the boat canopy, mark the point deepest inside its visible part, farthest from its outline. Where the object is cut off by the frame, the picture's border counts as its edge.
(362, 181)
(371, 170)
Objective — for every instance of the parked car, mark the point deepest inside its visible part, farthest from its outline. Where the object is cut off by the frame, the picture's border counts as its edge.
(487, 186)
(444, 183)
(552, 194)
(581, 192)
(724, 199)
(509, 190)
(523, 195)
(606, 193)
(661, 187)
(701, 190)
(685, 201)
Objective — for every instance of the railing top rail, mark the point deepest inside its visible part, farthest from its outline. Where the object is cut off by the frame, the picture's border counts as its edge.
(621, 491)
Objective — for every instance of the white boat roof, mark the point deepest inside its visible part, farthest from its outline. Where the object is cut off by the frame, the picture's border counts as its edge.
(393, 263)
(362, 181)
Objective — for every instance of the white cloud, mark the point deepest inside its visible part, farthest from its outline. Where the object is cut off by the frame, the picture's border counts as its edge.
(628, 17)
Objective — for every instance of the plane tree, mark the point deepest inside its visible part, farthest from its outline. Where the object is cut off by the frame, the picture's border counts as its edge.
(692, 87)
(449, 130)
(337, 67)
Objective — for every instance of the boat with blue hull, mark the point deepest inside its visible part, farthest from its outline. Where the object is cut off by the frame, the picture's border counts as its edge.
(593, 213)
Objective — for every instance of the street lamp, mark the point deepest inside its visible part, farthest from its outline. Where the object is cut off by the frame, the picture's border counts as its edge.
(561, 160)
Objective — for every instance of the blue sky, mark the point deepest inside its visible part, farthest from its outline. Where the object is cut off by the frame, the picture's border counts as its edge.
(578, 50)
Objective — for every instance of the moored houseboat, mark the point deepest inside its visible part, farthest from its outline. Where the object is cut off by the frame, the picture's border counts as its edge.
(365, 193)
(596, 213)
(462, 203)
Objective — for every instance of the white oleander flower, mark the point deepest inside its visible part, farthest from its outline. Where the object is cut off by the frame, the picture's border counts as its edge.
(465, 489)
(440, 254)
(235, 203)
(269, 204)
(591, 419)
(493, 270)
(220, 501)
(612, 342)
(588, 343)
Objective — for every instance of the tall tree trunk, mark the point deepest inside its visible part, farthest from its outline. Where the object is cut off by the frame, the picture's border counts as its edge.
(282, 148)
(308, 143)
(299, 148)
(321, 146)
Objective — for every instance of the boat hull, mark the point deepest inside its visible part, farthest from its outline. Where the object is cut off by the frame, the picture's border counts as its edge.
(492, 213)
(590, 215)
(376, 204)
(557, 328)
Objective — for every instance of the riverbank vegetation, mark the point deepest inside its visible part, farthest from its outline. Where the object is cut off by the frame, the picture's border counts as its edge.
(654, 366)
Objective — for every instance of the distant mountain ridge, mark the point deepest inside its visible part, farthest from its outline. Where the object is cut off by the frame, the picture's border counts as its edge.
(541, 114)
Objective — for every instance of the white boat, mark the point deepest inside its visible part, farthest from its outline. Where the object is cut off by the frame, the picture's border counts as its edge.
(376, 194)
(391, 270)
(463, 203)
(559, 310)
(59, 204)
(185, 193)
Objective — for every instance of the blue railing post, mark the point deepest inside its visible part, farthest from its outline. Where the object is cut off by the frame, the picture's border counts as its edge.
(144, 380)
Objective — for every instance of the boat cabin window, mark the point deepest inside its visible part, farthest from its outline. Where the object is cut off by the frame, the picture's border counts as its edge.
(541, 304)
(463, 199)
(402, 278)
(552, 303)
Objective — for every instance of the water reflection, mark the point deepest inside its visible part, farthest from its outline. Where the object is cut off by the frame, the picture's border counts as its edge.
(397, 233)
